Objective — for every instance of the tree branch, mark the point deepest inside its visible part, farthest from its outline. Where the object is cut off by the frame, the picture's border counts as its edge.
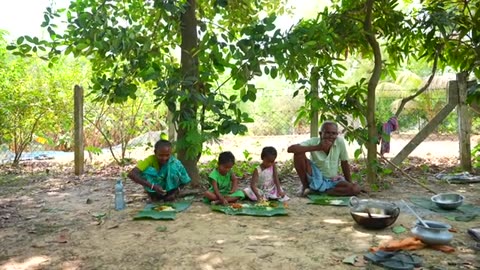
(421, 90)
(110, 146)
(22, 145)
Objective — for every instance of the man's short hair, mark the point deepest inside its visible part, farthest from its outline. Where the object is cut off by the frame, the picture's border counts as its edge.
(326, 123)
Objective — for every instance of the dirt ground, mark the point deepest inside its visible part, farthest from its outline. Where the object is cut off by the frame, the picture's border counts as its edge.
(50, 219)
(57, 221)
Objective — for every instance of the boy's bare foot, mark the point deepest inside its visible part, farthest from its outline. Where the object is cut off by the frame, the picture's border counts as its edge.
(215, 202)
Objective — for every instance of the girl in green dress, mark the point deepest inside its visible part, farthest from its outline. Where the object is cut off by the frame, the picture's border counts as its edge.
(223, 182)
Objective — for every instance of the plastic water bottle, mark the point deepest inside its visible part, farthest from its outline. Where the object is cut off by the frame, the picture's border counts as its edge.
(119, 196)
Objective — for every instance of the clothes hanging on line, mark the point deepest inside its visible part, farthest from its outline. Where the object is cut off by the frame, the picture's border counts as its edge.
(385, 136)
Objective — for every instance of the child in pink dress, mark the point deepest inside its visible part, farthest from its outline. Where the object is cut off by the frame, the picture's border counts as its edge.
(265, 184)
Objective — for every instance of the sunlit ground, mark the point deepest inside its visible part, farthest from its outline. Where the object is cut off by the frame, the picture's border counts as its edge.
(30, 263)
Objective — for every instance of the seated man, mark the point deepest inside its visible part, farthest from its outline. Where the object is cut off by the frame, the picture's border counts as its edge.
(321, 173)
(160, 174)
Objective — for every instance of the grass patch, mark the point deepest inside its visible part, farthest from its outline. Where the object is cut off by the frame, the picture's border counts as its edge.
(14, 180)
(42, 228)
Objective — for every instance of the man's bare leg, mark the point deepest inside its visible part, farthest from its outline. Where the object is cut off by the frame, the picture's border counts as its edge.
(302, 166)
(344, 188)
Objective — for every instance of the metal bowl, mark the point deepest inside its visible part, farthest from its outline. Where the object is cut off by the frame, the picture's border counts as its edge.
(448, 201)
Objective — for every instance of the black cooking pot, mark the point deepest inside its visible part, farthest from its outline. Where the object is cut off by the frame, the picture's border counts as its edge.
(373, 214)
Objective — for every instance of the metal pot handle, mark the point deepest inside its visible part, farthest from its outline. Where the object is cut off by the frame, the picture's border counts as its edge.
(353, 202)
(396, 211)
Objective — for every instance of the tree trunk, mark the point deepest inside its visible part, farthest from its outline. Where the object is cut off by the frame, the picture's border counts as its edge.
(189, 69)
(172, 133)
(372, 86)
(314, 77)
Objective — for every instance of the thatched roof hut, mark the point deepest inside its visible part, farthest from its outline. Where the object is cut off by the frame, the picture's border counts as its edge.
(440, 81)
(407, 83)
(389, 89)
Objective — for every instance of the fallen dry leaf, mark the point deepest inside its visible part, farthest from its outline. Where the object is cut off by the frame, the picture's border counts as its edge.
(62, 239)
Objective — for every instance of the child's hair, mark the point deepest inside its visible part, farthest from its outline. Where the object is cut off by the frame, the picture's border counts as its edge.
(162, 143)
(268, 151)
(226, 157)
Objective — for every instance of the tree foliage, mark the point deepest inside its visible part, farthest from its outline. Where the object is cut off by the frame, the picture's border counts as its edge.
(320, 47)
(114, 125)
(133, 42)
(34, 99)
(380, 31)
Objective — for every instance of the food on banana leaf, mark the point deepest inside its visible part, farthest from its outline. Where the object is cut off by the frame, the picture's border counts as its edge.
(164, 208)
(336, 202)
(263, 203)
(236, 206)
(267, 204)
(273, 204)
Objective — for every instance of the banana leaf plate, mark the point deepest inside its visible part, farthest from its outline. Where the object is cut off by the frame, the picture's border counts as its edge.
(324, 199)
(272, 209)
(163, 211)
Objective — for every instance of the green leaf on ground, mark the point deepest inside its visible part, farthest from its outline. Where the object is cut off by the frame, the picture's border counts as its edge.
(399, 229)
(189, 198)
(350, 259)
(161, 229)
(99, 215)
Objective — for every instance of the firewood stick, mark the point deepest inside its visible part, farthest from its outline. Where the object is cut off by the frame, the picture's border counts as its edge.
(407, 175)
(399, 169)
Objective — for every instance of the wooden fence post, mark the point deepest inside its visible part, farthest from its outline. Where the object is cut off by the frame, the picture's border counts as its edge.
(78, 130)
(464, 123)
(430, 126)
